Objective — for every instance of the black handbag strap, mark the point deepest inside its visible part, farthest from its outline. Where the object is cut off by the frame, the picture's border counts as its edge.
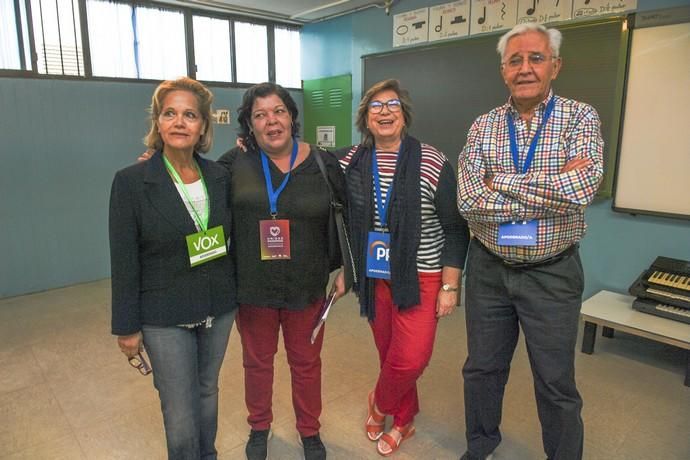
(349, 271)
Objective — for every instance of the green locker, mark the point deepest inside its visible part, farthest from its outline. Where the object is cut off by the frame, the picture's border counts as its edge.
(328, 111)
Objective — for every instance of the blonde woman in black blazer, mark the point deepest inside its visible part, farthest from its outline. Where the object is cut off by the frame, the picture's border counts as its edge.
(173, 281)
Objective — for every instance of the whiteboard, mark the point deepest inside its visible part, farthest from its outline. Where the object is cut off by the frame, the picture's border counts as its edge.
(653, 175)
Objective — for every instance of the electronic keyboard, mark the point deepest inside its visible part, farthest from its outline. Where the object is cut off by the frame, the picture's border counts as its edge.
(664, 289)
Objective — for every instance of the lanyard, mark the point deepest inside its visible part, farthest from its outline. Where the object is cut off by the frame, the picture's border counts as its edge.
(380, 204)
(274, 194)
(535, 139)
(202, 221)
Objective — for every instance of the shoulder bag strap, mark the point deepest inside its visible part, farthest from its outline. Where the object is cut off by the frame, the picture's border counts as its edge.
(343, 238)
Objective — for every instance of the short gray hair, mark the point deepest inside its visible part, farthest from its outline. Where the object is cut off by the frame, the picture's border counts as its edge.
(554, 36)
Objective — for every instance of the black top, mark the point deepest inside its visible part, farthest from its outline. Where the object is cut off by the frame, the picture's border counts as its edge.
(152, 280)
(294, 283)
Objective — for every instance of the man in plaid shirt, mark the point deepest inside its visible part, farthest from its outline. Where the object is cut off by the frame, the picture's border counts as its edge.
(526, 174)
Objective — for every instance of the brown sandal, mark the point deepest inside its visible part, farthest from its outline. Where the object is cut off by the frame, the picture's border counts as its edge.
(387, 439)
(375, 423)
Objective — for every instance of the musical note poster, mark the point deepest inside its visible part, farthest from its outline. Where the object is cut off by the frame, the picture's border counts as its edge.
(544, 11)
(450, 20)
(492, 15)
(584, 8)
(411, 27)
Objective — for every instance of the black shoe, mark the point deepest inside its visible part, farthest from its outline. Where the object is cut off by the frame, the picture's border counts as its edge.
(468, 456)
(257, 445)
(313, 448)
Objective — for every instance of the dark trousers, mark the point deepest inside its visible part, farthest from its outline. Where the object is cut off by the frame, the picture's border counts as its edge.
(545, 302)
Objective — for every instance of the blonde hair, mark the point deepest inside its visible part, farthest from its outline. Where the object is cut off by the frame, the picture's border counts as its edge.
(405, 102)
(204, 98)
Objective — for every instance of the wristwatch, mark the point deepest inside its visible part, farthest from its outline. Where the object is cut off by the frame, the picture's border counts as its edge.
(449, 288)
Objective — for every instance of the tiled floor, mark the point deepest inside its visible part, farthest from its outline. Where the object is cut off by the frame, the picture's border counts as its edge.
(66, 392)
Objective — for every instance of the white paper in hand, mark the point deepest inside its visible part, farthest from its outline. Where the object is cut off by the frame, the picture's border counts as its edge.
(323, 314)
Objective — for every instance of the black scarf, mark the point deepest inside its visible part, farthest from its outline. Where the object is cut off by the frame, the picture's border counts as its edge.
(404, 223)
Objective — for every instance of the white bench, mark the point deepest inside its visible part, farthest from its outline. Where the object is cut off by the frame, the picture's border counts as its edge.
(614, 312)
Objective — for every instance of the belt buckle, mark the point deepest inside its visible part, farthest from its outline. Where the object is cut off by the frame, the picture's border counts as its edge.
(511, 264)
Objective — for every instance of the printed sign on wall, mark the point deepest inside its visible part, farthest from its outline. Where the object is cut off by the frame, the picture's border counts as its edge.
(451, 20)
(584, 8)
(411, 27)
(325, 136)
(544, 11)
(492, 15)
(221, 116)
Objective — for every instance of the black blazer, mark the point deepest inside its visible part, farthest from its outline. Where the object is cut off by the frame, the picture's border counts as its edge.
(152, 281)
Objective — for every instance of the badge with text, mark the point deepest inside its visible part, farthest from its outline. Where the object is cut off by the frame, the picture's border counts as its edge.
(378, 265)
(275, 239)
(205, 246)
(522, 233)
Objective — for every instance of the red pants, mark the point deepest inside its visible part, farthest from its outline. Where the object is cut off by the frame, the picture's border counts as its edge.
(405, 340)
(258, 328)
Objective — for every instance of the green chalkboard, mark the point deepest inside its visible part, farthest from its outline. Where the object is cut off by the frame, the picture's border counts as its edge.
(454, 82)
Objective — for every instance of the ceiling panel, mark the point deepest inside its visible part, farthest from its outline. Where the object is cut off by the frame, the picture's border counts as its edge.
(298, 11)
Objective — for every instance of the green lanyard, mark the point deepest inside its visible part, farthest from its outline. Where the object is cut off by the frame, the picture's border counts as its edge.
(202, 222)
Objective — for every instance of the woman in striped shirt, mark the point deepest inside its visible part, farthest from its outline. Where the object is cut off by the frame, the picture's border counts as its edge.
(409, 243)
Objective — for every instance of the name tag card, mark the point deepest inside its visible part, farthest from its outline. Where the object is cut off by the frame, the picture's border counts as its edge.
(522, 233)
(378, 248)
(275, 239)
(205, 246)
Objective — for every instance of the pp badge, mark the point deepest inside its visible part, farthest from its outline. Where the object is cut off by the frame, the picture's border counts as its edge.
(378, 248)
(518, 233)
(205, 246)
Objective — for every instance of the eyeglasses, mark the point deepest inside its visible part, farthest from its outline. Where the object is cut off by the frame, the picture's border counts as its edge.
(139, 363)
(394, 105)
(534, 59)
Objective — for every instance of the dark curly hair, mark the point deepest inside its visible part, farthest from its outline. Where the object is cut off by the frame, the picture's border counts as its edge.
(244, 112)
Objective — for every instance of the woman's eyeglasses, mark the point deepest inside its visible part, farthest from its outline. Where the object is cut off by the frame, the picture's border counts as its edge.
(139, 363)
(394, 105)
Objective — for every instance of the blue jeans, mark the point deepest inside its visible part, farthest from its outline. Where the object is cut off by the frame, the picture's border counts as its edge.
(186, 363)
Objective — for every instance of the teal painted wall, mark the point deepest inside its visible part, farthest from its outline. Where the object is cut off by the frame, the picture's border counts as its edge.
(617, 247)
(328, 44)
(61, 143)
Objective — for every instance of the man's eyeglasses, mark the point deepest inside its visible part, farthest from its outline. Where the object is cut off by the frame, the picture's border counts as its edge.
(139, 363)
(534, 59)
(394, 105)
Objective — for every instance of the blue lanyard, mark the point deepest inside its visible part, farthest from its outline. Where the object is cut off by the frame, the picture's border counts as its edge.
(380, 204)
(535, 139)
(274, 194)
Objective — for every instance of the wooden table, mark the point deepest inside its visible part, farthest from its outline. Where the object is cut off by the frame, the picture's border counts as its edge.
(614, 312)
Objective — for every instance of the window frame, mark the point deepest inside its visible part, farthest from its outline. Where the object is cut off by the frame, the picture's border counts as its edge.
(188, 13)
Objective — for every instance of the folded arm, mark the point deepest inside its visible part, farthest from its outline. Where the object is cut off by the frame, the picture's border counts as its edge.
(476, 199)
(501, 197)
